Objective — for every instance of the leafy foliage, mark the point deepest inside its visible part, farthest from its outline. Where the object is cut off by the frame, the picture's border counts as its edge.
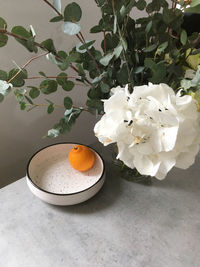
(26, 39)
(19, 80)
(3, 37)
(154, 48)
(48, 86)
(72, 12)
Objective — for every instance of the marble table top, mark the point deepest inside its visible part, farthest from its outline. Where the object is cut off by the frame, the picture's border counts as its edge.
(124, 225)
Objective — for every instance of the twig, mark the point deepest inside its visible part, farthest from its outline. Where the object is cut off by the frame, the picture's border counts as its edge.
(4, 31)
(47, 2)
(59, 77)
(113, 6)
(56, 106)
(82, 36)
(27, 63)
(52, 77)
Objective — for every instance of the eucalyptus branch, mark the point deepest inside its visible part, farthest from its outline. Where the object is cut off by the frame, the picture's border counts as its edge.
(89, 53)
(80, 37)
(45, 105)
(47, 2)
(52, 77)
(56, 106)
(57, 77)
(4, 31)
(26, 64)
(113, 6)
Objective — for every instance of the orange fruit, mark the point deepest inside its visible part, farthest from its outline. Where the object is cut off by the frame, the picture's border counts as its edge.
(81, 158)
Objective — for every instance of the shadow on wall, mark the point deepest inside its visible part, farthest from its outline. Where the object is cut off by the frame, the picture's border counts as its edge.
(17, 149)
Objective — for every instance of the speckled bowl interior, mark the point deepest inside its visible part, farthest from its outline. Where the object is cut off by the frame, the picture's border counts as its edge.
(49, 171)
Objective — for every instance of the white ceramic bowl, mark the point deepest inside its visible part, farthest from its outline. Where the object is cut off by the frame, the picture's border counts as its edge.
(51, 178)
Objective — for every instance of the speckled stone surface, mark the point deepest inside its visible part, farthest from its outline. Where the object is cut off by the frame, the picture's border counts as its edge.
(124, 225)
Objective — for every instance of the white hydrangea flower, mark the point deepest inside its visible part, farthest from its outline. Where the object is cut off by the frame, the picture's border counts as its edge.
(4, 87)
(154, 128)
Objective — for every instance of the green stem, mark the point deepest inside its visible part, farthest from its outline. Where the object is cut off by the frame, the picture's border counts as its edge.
(4, 31)
(81, 38)
(25, 65)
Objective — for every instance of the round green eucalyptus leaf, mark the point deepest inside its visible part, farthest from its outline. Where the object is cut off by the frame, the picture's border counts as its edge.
(34, 92)
(49, 45)
(2, 23)
(48, 86)
(96, 29)
(66, 85)
(72, 12)
(50, 108)
(19, 30)
(29, 44)
(61, 78)
(68, 102)
(18, 81)
(3, 75)
(22, 105)
(3, 39)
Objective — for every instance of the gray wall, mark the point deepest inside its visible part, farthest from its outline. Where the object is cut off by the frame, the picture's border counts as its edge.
(20, 131)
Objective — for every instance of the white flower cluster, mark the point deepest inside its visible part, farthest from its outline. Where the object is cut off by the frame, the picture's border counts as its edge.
(154, 128)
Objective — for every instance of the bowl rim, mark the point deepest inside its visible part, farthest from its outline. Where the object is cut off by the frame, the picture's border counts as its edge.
(59, 194)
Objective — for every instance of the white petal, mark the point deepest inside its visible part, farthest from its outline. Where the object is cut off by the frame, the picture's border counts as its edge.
(165, 167)
(168, 138)
(146, 166)
(113, 103)
(124, 156)
(145, 148)
(186, 159)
